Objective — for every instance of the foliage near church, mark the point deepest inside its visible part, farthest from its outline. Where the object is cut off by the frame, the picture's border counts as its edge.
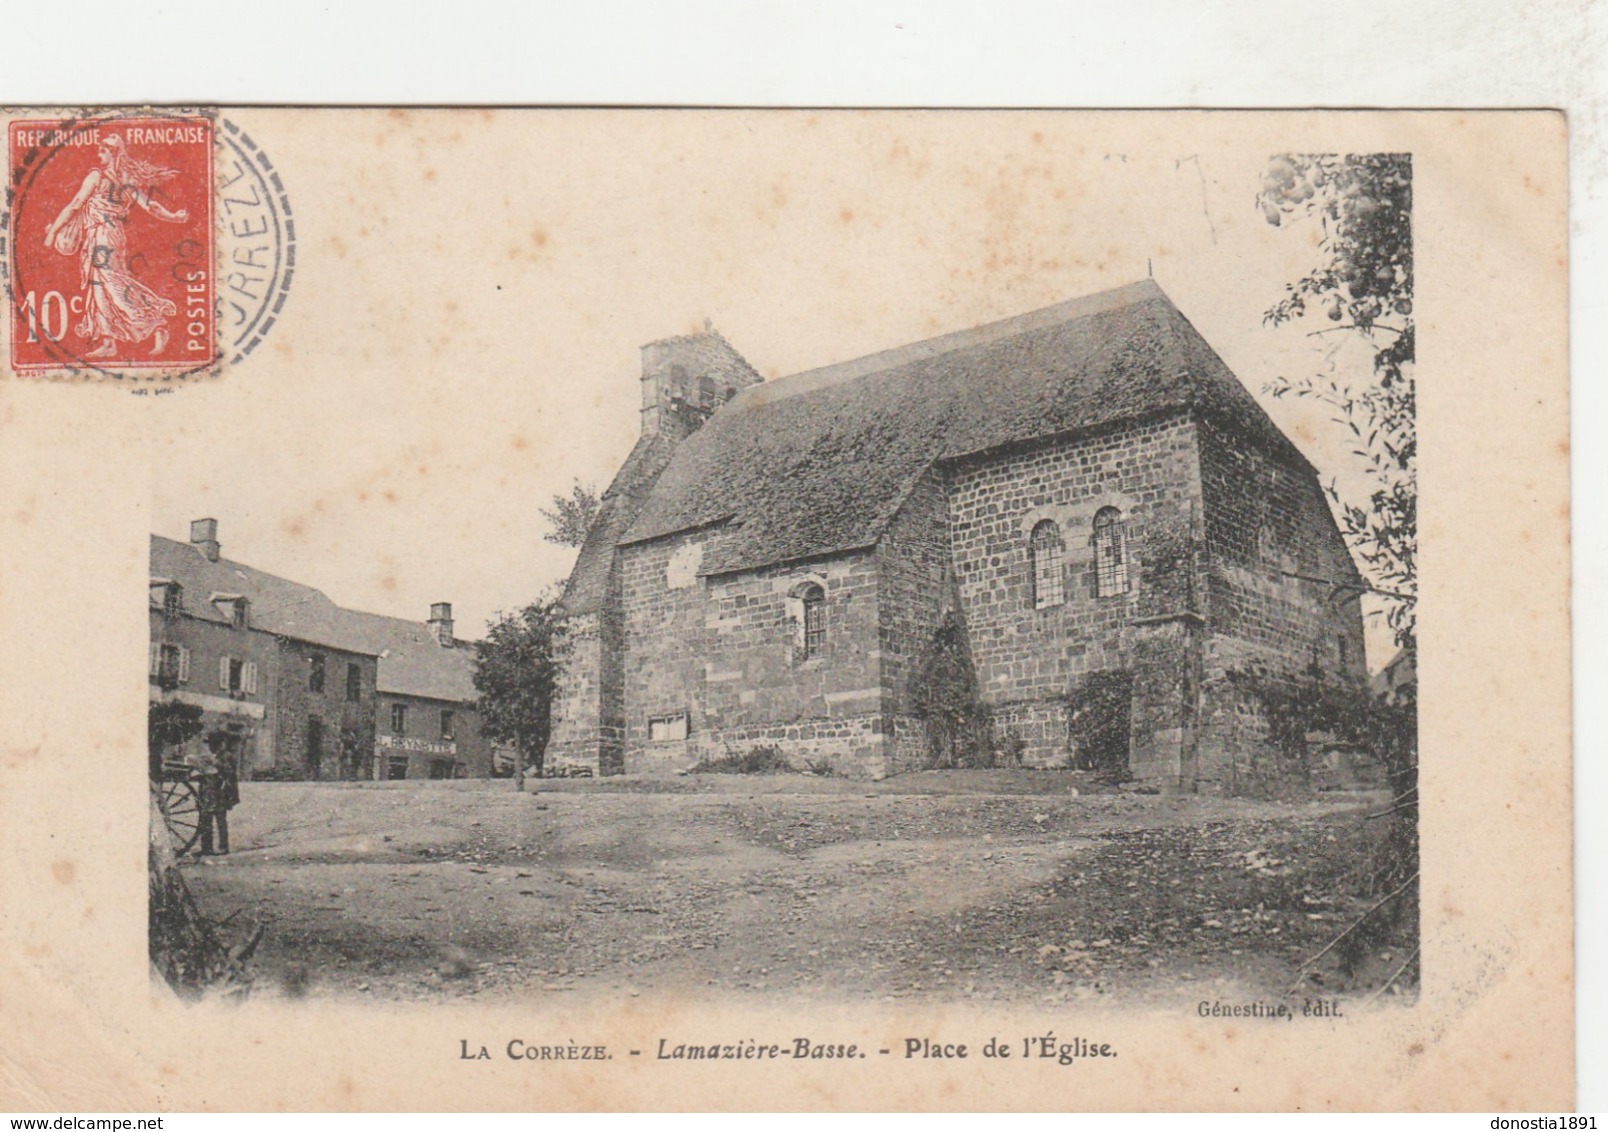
(516, 672)
(1363, 283)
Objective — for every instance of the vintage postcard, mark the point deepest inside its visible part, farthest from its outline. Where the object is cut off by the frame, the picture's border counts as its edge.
(582, 609)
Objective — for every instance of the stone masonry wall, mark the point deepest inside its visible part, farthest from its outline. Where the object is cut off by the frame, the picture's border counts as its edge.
(1213, 527)
(915, 590)
(588, 711)
(1028, 659)
(576, 701)
(343, 719)
(1265, 521)
(611, 682)
(728, 651)
(588, 725)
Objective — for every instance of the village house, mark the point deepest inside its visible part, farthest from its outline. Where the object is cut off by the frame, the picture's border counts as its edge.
(426, 722)
(299, 686)
(1070, 538)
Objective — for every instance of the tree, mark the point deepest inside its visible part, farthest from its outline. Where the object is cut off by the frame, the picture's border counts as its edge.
(572, 516)
(169, 723)
(944, 696)
(516, 673)
(1363, 282)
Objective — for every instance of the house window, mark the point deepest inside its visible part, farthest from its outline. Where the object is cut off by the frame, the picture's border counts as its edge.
(396, 767)
(1345, 650)
(240, 612)
(172, 665)
(1048, 553)
(664, 728)
(814, 599)
(399, 719)
(315, 674)
(1110, 553)
(446, 725)
(354, 682)
(172, 599)
(233, 675)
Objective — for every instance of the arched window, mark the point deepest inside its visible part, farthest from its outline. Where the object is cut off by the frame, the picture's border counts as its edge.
(1110, 553)
(1048, 554)
(814, 601)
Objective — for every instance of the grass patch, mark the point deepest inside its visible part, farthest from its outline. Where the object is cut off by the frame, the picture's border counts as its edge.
(1230, 894)
(756, 760)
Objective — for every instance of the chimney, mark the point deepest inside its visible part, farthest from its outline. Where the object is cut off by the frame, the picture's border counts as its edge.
(441, 623)
(204, 534)
(684, 380)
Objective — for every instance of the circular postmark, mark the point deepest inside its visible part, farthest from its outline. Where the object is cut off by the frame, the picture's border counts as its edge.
(257, 242)
(146, 244)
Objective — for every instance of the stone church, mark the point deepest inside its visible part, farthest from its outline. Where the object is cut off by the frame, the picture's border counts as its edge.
(1070, 538)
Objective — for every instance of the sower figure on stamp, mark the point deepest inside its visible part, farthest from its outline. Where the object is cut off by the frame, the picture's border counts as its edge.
(117, 306)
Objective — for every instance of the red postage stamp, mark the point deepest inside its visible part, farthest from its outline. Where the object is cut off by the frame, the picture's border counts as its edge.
(111, 240)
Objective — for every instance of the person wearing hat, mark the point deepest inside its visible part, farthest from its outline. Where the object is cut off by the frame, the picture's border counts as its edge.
(218, 792)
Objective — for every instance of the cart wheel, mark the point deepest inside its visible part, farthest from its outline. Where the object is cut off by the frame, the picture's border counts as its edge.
(181, 809)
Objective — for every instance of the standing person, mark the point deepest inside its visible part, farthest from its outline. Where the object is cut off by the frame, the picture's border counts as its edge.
(228, 792)
(117, 306)
(218, 791)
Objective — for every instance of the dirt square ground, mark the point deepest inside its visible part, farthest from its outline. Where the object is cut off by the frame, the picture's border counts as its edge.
(999, 887)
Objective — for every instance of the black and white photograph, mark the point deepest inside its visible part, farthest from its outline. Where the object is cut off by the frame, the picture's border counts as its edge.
(1033, 660)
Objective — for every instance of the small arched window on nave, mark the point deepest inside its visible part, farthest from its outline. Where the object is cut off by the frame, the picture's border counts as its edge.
(814, 601)
(1110, 553)
(1048, 554)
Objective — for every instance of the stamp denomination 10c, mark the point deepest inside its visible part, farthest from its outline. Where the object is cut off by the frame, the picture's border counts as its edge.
(112, 251)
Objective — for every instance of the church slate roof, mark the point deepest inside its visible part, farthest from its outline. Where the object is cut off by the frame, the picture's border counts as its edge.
(818, 463)
(589, 580)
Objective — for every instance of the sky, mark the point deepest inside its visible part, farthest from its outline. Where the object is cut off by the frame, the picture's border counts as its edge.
(461, 338)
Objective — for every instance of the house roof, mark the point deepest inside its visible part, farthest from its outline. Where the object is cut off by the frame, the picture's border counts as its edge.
(411, 662)
(278, 605)
(820, 462)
